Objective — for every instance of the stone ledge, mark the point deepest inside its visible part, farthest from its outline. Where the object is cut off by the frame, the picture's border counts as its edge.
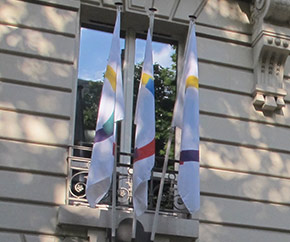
(101, 218)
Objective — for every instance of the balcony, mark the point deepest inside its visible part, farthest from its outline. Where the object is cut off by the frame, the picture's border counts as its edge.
(173, 217)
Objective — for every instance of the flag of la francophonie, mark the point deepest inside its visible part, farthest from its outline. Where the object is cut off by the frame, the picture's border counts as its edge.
(145, 133)
(186, 117)
(111, 109)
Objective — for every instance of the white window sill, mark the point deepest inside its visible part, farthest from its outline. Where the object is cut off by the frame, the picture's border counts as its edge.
(101, 218)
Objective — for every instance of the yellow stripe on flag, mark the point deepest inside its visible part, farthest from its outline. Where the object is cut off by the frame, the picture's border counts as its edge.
(192, 81)
(145, 78)
(111, 76)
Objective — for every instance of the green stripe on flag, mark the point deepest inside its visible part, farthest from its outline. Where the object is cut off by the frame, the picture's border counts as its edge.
(109, 125)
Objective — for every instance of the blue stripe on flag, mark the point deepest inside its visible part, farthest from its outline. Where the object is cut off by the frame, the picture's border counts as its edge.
(150, 86)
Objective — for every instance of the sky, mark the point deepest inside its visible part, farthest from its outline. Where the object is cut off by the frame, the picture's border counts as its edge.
(94, 52)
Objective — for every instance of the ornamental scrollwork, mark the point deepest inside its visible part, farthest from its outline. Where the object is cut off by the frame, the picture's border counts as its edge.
(275, 11)
(78, 173)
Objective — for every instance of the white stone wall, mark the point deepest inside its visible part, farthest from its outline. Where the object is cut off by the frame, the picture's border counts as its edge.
(38, 57)
(245, 159)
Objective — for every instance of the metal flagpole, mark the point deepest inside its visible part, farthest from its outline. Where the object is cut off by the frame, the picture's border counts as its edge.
(152, 10)
(151, 20)
(114, 192)
(134, 227)
(114, 185)
(165, 164)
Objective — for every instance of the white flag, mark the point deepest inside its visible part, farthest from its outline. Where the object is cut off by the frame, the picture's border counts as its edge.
(111, 109)
(145, 132)
(186, 117)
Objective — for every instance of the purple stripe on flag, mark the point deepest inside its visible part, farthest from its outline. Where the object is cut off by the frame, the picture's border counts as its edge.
(189, 155)
(101, 135)
(106, 131)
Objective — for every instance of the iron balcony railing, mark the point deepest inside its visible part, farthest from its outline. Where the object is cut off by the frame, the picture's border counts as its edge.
(78, 164)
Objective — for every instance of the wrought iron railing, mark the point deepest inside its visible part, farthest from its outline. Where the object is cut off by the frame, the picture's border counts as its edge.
(78, 164)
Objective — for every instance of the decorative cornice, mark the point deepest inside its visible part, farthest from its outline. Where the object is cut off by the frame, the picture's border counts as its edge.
(271, 41)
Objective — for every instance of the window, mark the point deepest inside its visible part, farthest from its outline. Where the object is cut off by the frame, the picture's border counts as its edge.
(94, 51)
(101, 16)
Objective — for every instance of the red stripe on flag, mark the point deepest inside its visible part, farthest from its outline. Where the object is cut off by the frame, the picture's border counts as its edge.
(114, 147)
(145, 151)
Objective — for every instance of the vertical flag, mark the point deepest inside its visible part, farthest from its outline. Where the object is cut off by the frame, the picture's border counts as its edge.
(186, 117)
(111, 110)
(145, 132)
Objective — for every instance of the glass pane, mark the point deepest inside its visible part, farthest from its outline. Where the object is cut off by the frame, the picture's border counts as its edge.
(94, 52)
(162, 53)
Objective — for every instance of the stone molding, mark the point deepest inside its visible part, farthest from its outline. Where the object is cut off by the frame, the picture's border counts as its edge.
(271, 47)
(272, 11)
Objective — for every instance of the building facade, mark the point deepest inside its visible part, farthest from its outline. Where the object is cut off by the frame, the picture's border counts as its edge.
(244, 123)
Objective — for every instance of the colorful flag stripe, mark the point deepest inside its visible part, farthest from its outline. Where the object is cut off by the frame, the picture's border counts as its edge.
(106, 131)
(189, 155)
(111, 76)
(192, 81)
(145, 151)
(148, 82)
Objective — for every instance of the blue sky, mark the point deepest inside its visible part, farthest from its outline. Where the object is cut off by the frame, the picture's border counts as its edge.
(94, 51)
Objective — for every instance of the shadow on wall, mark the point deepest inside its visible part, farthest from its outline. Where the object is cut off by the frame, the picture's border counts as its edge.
(40, 32)
(229, 142)
(36, 69)
(38, 51)
(39, 16)
(222, 12)
(248, 153)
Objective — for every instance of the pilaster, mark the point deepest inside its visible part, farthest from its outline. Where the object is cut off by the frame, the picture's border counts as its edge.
(271, 47)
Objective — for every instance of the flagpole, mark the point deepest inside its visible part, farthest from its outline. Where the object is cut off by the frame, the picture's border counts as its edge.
(114, 192)
(114, 185)
(134, 227)
(165, 164)
(152, 11)
(151, 20)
